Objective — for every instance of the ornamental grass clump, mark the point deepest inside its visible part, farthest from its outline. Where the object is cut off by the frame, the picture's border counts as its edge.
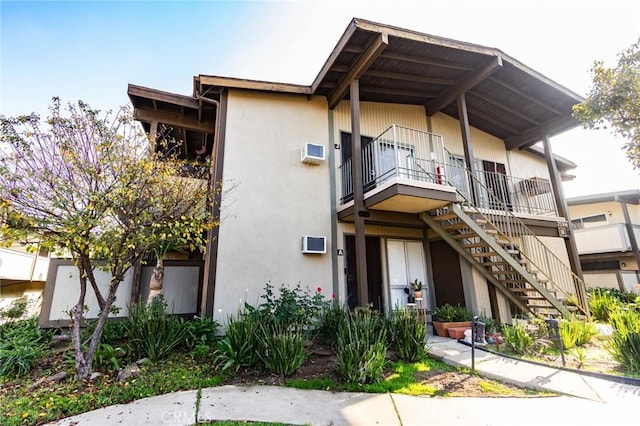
(22, 344)
(240, 346)
(576, 333)
(624, 344)
(153, 332)
(518, 339)
(283, 350)
(602, 304)
(362, 348)
(408, 335)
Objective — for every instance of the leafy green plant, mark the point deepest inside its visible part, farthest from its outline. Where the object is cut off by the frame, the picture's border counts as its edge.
(408, 335)
(240, 345)
(22, 343)
(293, 308)
(575, 332)
(624, 344)
(108, 357)
(362, 348)
(283, 350)
(602, 304)
(332, 318)
(450, 313)
(621, 296)
(200, 331)
(152, 331)
(15, 311)
(581, 355)
(518, 339)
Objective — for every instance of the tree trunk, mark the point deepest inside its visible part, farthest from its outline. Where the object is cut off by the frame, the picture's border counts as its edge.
(97, 333)
(82, 370)
(157, 281)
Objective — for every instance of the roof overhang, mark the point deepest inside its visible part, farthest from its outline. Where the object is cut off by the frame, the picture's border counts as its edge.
(178, 118)
(504, 97)
(630, 197)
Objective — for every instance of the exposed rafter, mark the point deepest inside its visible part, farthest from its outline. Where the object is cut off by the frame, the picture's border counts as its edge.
(426, 61)
(397, 92)
(525, 95)
(536, 134)
(504, 107)
(359, 68)
(463, 85)
(172, 119)
(409, 77)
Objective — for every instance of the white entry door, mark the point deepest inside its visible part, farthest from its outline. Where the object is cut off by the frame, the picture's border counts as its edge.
(406, 262)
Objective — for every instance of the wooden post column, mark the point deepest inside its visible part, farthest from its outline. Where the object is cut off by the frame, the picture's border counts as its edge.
(632, 236)
(466, 144)
(359, 211)
(563, 209)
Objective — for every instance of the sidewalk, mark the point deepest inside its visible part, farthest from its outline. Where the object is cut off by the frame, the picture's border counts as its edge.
(590, 401)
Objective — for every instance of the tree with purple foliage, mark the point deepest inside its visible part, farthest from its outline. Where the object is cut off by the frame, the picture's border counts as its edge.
(93, 186)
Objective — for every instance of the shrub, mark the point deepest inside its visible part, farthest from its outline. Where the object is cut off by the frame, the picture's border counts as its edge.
(518, 339)
(576, 333)
(22, 343)
(200, 331)
(618, 295)
(240, 345)
(294, 308)
(362, 348)
(15, 311)
(152, 331)
(450, 313)
(624, 344)
(108, 357)
(602, 304)
(408, 335)
(283, 350)
(332, 319)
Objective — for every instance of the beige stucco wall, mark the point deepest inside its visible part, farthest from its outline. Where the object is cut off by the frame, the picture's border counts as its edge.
(276, 201)
(525, 164)
(612, 209)
(485, 146)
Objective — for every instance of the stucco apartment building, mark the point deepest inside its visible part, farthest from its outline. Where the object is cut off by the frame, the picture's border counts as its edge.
(408, 157)
(607, 232)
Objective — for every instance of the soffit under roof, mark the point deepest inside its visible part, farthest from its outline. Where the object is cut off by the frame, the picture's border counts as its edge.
(504, 97)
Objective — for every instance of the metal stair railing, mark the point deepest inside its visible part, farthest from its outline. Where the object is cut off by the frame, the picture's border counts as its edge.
(509, 227)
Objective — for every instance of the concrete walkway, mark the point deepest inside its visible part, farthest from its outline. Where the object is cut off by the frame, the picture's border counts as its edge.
(585, 401)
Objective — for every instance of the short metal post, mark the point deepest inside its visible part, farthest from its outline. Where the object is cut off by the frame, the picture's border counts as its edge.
(473, 344)
(554, 334)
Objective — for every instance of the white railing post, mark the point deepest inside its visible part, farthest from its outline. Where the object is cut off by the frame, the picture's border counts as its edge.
(395, 150)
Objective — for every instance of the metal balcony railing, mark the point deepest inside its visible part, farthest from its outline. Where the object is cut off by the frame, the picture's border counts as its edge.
(401, 152)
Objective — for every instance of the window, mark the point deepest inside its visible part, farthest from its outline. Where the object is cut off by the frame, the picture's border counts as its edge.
(589, 221)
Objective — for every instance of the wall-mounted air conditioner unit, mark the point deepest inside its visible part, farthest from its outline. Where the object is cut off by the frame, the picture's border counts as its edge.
(312, 153)
(314, 245)
(535, 186)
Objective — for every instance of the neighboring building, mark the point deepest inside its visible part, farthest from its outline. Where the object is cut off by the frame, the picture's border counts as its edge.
(447, 186)
(607, 232)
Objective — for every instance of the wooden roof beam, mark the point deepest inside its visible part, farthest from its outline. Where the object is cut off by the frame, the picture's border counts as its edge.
(409, 77)
(426, 61)
(526, 96)
(329, 64)
(172, 119)
(240, 83)
(359, 68)
(396, 92)
(477, 113)
(159, 95)
(537, 133)
(504, 107)
(465, 84)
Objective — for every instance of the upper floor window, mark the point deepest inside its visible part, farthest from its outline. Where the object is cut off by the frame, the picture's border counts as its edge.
(589, 221)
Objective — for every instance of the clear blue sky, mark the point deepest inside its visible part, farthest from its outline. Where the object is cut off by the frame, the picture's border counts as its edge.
(91, 50)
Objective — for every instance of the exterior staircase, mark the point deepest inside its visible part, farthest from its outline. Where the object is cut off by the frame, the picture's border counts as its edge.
(494, 241)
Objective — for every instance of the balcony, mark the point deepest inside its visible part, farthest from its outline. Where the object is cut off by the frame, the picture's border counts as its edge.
(410, 171)
(604, 239)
